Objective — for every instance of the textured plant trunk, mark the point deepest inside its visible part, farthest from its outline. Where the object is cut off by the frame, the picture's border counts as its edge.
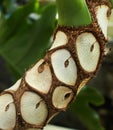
(54, 81)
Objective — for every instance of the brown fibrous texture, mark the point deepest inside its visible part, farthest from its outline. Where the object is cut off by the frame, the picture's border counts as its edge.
(52, 84)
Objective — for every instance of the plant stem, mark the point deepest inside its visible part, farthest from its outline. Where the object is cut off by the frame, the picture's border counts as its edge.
(73, 13)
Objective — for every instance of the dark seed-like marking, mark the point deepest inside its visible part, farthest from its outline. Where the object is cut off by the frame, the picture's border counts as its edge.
(66, 63)
(7, 107)
(41, 68)
(38, 104)
(67, 96)
(92, 46)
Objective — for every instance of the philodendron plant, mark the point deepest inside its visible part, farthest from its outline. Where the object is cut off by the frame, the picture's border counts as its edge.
(75, 56)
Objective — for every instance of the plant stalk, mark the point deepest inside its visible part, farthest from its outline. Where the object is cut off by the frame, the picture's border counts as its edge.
(51, 84)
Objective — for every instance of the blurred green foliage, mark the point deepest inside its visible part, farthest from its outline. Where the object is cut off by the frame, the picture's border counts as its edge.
(25, 33)
(81, 107)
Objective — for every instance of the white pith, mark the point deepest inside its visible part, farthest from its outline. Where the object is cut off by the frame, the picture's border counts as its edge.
(101, 14)
(33, 108)
(88, 56)
(7, 112)
(60, 40)
(59, 99)
(67, 75)
(15, 86)
(82, 84)
(40, 81)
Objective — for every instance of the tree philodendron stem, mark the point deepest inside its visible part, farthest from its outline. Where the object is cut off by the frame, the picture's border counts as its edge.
(52, 83)
(73, 13)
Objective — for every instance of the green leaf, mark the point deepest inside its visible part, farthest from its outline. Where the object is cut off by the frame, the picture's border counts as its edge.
(73, 13)
(23, 41)
(84, 112)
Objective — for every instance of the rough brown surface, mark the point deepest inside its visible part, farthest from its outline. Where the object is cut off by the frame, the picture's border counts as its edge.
(72, 34)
